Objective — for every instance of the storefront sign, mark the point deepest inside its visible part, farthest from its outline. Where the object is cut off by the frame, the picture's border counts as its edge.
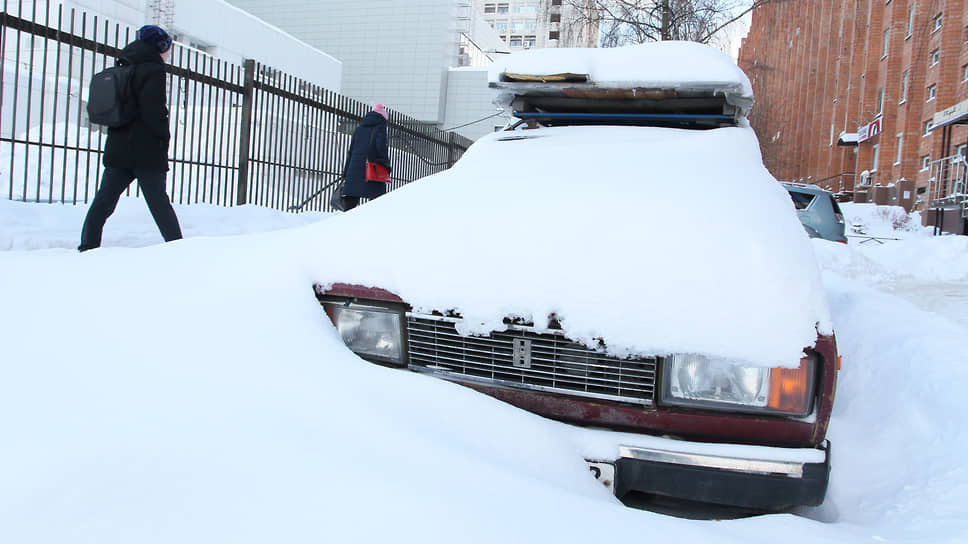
(869, 130)
(954, 115)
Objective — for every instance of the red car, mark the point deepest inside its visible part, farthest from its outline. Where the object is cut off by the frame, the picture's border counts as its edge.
(684, 316)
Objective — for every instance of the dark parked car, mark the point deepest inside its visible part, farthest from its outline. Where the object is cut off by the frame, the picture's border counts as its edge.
(818, 211)
(578, 265)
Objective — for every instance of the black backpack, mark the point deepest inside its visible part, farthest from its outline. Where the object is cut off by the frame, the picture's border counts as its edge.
(110, 101)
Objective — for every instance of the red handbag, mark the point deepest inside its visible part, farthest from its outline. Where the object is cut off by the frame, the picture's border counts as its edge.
(377, 172)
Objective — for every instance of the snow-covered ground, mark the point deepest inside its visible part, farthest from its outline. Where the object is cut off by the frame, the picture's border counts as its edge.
(195, 392)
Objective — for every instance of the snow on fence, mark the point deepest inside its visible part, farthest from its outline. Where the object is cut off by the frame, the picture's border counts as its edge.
(245, 134)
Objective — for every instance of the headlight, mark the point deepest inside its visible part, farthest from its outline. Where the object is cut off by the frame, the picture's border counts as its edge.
(697, 381)
(369, 331)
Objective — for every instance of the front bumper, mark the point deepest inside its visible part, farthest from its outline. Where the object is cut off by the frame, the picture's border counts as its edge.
(754, 483)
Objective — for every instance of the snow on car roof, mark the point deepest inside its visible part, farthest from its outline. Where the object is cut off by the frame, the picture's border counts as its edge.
(655, 240)
(666, 65)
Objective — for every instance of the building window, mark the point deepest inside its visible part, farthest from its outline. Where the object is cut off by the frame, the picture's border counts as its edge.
(555, 2)
(934, 58)
(900, 144)
(964, 73)
(927, 125)
(515, 41)
(880, 100)
(877, 152)
(932, 92)
(502, 8)
(555, 18)
(529, 41)
(887, 41)
(490, 8)
(937, 23)
(910, 27)
(501, 27)
(962, 151)
(925, 162)
(904, 86)
(553, 35)
(531, 25)
(517, 26)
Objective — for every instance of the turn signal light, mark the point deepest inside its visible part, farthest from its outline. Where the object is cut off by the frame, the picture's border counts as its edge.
(790, 388)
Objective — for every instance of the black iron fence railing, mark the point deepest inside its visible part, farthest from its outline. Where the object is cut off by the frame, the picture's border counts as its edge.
(246, 134)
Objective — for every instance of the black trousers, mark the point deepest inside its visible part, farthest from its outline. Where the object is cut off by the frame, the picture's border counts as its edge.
(113, 184)
(350, 202)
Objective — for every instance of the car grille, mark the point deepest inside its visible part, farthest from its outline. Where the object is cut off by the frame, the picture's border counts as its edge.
(545, 362)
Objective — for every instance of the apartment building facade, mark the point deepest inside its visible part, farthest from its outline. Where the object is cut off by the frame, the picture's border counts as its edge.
(526, 24)
(866, 98)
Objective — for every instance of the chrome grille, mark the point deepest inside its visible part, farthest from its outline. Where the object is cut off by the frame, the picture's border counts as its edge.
(555, 364)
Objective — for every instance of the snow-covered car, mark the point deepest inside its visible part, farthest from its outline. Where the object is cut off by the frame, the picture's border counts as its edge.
(818, 210)
(619, 259)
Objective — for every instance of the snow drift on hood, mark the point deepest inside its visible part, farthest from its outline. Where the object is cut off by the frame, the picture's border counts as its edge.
(656, 240)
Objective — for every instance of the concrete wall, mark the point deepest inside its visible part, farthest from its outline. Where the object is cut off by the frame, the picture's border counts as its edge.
(393, 52)
(469, 100)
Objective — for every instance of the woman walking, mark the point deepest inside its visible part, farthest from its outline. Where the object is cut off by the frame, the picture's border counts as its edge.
(369, 144)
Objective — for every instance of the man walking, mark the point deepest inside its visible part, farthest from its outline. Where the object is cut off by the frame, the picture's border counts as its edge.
(138, 149)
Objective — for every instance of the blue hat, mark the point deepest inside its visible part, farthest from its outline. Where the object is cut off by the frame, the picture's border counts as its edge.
(155, 35)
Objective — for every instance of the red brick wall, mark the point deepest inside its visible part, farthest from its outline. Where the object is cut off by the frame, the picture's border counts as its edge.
(818, 67)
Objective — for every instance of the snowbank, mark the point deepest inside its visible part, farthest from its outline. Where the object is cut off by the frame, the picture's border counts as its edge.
(194, 392)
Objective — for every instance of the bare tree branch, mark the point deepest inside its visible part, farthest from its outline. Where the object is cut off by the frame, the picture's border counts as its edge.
(623, 22)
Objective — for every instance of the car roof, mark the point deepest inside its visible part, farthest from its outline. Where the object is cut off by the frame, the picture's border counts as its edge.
(803, 187)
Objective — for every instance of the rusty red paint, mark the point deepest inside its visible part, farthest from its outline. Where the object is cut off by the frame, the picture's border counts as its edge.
(358, 291)
(827, 349)
(736, 428)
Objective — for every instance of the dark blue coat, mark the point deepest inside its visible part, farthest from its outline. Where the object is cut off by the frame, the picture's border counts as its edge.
(361, 150)
(142, 143)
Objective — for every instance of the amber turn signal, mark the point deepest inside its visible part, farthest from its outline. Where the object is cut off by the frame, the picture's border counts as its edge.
(790, 388)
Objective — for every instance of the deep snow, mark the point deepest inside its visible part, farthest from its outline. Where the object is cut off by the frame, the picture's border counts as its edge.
(194, 392)
(526, 225)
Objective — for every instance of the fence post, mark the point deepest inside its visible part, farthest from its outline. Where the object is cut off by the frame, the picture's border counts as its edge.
(245, 132)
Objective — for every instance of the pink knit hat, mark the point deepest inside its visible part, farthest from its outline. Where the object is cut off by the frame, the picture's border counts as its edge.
(381, 110)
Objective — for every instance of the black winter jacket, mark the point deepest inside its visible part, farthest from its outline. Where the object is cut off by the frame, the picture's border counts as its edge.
(361, 151)
(143, 143)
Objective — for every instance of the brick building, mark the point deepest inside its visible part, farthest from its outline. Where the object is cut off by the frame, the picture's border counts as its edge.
(868, 98)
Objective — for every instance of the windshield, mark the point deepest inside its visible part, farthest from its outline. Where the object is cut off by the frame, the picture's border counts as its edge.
(801, 200)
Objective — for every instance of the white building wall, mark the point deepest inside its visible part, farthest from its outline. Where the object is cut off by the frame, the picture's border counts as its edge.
(241, 35)
(393, 51)
(227, 33)
(469, 101)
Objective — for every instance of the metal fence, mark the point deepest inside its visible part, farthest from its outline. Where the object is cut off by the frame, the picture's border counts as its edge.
(948, 181)
(245, 134)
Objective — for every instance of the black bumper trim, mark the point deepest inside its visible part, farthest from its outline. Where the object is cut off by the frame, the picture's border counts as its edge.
(725, 487)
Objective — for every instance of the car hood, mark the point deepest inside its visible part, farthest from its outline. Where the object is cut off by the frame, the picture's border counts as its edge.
(651, 240)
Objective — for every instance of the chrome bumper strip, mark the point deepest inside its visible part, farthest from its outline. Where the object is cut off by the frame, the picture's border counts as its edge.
(505, 384)
(787, 468)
